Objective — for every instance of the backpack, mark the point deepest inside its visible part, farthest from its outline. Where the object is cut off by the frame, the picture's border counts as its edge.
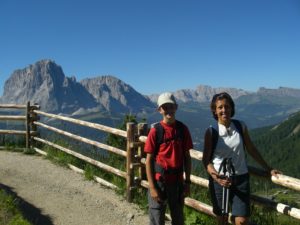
(215, 134)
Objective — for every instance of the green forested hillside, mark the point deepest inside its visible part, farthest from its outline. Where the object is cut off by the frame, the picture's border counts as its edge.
(280, 145)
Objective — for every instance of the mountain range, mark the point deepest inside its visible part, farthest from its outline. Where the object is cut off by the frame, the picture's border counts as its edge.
(45, 83)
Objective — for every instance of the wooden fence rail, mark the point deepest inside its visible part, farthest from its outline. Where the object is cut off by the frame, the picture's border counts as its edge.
(82, 139)
(84, 158)
(100, 127)
(13, 118)
(135, 157)
(12, 106)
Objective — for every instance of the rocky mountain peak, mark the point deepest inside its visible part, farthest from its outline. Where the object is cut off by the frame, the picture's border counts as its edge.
(24, 83)
(115, 95)
(45, 83)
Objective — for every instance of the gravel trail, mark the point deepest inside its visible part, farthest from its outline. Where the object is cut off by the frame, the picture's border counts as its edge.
(54, 195)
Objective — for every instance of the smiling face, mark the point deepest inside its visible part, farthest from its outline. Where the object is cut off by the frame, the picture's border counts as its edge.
(224, 103)
(223, 112)
(168, 111)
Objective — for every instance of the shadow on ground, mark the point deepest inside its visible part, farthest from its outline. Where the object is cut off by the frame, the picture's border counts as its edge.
(29, 211)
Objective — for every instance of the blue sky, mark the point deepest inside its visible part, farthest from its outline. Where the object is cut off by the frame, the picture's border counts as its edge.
(157, 45)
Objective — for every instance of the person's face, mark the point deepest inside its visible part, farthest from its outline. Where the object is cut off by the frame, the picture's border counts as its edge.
(223, 111)
(168, 111)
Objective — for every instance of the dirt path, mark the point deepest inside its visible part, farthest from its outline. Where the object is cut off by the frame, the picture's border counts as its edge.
(50, 194)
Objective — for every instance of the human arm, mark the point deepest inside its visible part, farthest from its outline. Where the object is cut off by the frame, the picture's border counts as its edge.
(187, 171)
(187, 146)
(151, 177)
(150, 151)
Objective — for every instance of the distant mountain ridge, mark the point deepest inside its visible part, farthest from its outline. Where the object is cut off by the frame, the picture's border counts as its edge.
(281, 91)
(202, 93)
(46, 84)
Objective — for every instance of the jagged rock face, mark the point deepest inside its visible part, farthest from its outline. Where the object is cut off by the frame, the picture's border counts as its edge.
(45, 83)
(114, 95)
(205, 93)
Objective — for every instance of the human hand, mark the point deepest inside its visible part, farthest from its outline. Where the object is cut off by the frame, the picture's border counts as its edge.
(224, 181)
(155, 195)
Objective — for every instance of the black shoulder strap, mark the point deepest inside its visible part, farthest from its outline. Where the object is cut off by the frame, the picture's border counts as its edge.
(214, 139)
(239, 128)
(180, 130)
(159, 130)
(215, 136)
(159, 136)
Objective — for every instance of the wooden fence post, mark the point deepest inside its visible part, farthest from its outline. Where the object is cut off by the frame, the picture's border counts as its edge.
(130, 127)
(27, 125)
(142, 131)
(33, 118)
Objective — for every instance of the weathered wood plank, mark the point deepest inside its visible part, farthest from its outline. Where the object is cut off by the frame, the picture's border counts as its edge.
(84, 158)
(22, 118)
(82, 139)
(85, 123)
(12, 106)
(17, 132)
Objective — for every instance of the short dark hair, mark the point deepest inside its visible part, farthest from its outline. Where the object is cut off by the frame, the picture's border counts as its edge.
(220, 96)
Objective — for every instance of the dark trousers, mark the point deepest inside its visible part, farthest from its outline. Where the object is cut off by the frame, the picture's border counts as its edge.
(173, 194)
(239, 196)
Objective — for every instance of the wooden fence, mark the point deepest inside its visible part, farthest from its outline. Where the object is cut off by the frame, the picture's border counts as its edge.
(28, 118)
(135, 135)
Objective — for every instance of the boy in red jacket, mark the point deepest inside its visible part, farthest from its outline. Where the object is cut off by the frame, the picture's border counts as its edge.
(166, 162)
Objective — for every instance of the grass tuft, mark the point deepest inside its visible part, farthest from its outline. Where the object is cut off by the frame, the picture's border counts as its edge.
(9, 211)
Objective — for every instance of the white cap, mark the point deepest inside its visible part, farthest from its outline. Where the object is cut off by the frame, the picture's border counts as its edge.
(164, 98)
